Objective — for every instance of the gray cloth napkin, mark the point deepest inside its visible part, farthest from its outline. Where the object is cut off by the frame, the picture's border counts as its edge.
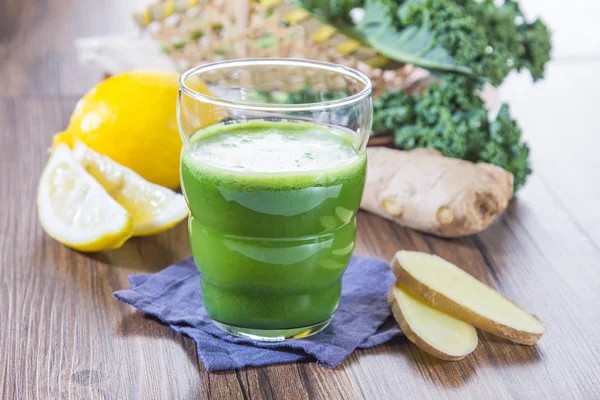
(362, 320)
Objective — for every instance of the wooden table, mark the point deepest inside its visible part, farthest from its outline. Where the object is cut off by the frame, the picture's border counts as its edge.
(63, 335)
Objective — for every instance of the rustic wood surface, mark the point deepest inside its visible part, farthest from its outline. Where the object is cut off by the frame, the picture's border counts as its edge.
(63, 335)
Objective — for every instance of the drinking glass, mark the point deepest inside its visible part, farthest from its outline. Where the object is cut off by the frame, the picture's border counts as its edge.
(273, 169)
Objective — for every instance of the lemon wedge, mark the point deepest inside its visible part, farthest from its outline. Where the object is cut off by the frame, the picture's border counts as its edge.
(75, 210)
(153, 208)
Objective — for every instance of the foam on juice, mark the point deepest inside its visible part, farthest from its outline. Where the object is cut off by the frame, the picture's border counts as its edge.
(257, 146)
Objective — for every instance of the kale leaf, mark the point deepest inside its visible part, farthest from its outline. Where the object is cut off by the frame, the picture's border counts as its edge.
(465, 43)
(476, 38)
(451, 117)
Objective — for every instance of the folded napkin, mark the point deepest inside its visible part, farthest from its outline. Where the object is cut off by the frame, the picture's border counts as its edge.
(363, 318)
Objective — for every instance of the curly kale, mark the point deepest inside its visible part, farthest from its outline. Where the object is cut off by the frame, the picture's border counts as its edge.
(476, 38)
(505, 148)
(512, 43)
(465, 43)
(451, 117)
(537, 48)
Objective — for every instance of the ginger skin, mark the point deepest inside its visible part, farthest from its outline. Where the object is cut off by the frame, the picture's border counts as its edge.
(423, 190)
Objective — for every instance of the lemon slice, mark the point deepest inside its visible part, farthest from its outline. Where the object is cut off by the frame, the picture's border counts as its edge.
(153, 208)
(75, 210)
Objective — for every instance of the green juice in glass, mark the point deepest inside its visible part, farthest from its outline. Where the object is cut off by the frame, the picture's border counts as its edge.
(272, 225)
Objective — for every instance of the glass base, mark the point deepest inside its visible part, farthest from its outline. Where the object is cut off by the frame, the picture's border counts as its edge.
(272, 335)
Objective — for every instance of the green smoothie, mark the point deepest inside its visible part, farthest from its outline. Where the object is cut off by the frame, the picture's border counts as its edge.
(272, 225)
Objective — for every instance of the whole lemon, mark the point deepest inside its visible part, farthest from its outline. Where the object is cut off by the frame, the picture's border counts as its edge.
(131, 118)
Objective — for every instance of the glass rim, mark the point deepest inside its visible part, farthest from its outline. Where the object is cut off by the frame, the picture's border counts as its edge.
(274, 107)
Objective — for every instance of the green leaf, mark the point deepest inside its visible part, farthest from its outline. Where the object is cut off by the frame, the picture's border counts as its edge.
(412, 45)
(179, 44)
(477, 38)
(451, 117)
(265, 42)
(218, 27)
(195, 35)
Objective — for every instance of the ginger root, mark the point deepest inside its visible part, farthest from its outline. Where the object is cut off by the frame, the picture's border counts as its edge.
(424, 190)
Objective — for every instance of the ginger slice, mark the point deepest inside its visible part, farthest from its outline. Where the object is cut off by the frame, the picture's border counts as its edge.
(454, 291)
(430, 329)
